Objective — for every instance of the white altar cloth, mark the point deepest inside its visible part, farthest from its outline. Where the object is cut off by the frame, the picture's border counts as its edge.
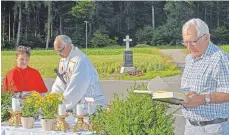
(37, 130)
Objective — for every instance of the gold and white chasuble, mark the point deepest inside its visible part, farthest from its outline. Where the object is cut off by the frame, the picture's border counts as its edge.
(82, 80)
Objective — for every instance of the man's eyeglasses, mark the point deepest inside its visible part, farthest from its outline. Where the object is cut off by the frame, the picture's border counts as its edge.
(194, 43)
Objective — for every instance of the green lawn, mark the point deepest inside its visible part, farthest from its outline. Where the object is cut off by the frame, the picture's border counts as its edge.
(107, 61)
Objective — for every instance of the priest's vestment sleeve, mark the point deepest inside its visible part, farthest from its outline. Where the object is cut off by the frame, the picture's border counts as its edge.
(58, 86)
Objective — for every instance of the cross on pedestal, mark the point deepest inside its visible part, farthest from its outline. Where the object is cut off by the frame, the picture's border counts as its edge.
(127, 40)
(127, 57)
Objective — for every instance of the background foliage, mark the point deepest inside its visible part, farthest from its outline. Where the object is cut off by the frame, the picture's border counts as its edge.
(109, 21)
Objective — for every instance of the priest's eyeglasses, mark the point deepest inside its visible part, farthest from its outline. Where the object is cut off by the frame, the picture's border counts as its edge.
(194, 43)
(61, 50)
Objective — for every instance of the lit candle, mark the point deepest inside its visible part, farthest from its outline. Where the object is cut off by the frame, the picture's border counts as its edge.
(15, 104)
(62, 109)
(80, 110)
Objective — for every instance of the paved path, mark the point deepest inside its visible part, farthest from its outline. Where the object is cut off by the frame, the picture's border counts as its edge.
(177, 56)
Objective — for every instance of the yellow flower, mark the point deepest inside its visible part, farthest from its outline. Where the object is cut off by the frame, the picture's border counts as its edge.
(31, 105)
(49, 105)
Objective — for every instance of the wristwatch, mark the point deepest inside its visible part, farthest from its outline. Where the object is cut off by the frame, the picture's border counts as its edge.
(207, 99)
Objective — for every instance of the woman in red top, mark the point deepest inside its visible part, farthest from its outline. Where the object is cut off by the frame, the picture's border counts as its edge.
(23, 78)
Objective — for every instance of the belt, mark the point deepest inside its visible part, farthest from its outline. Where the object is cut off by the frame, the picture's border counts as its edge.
(204, 123)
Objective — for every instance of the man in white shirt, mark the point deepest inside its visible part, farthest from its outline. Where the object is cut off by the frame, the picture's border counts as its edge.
(80, 78)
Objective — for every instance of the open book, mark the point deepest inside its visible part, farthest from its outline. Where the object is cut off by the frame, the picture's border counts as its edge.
(164, 96)
(155, 85)
(169, 97)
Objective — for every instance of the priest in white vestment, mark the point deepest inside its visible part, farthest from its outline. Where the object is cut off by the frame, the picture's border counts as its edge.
(80, 78)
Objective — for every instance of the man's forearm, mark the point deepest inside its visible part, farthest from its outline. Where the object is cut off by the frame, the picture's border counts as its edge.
(219, 97)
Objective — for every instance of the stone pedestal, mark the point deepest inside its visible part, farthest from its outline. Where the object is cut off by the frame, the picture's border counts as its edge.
(126, 69)
(128, 62)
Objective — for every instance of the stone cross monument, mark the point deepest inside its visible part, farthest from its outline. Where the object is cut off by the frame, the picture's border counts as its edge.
(127, 57)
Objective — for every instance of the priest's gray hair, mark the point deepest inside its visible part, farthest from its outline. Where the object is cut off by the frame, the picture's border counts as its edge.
(201, 26)
(64, 39)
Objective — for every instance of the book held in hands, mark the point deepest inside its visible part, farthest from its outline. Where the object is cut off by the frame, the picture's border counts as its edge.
(164, 96)
(160, 92)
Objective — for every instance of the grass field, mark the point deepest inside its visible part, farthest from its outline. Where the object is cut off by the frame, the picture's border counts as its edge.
(107, 61)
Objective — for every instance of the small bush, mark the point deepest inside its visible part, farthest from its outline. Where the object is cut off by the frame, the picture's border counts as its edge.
(102, 40)
(161, 36)
(144, 35)
(135, 115)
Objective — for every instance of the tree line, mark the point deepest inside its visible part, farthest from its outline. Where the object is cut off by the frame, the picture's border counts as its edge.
(36, 23)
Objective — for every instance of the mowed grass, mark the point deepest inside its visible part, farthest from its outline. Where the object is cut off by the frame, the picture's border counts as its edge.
(107, 61)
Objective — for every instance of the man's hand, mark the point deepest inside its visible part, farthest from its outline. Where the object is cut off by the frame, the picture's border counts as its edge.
(193, 99)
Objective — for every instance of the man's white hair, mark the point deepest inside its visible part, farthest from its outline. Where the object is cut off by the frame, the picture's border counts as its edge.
(64, 39)
(201, 26)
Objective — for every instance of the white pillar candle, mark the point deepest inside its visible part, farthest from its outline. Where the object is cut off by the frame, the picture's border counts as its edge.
(15, 104)
(80, 109)
(90, 101)
(62, 109)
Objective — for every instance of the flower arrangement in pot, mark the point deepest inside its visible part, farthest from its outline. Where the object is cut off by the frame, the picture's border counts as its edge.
(49, 108)
(30, 109)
